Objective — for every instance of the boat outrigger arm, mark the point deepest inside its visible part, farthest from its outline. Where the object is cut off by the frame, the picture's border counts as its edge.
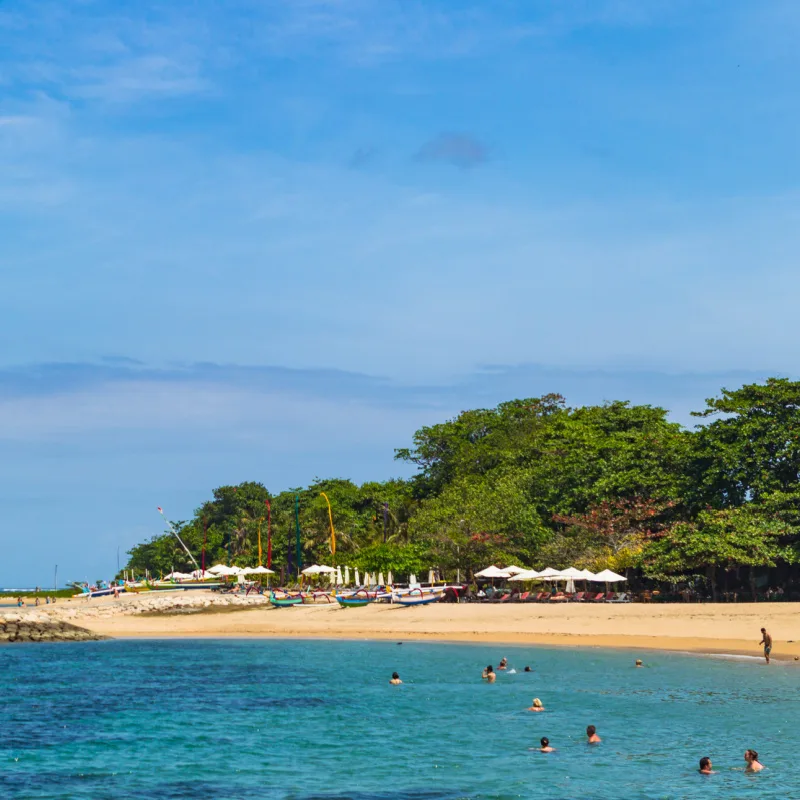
(175, 534)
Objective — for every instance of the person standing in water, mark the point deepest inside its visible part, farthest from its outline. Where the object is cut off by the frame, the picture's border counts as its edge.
(537, 705)
(753, 764)
(489, 674)
(705, 766)
(591, 733)
(395, 679)
(766, 640)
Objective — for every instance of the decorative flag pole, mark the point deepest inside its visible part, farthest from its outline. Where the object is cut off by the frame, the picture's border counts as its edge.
(333, 532)
(298, 549)
(385, 520)
(175, 534)
(260, 520)
(205, 537)
(269, 536)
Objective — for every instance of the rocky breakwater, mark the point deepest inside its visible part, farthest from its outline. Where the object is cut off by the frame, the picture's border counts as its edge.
(153, 604)
(31, 627)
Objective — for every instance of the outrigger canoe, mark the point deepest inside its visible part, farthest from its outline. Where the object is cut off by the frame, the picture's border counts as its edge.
(416, 601)
(285, 602)
(353, 601)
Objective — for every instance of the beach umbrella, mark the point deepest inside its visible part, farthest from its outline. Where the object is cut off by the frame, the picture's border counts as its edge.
(347, 576)
(431, 577)
(339, 578)
(571, 572)
(412, 578)
(512, 570)
(492, 572)
(312, 570)
(358, 578)
(550, 574)
(380, 579)
(527, 575)
(219, 569)
(389, 578)
(258, 571)
(607, 576)
(587, 575)
(323, 569)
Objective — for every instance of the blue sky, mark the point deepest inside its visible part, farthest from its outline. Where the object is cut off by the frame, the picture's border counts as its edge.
(270, 240)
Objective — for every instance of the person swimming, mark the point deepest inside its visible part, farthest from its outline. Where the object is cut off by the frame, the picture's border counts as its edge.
(527, 669)
(503, 664)
(753, 764)
(489, 674)
(705, 766)
(639, 662)
(545, 748)
(591, 733)
(537, 705)
(395, 679)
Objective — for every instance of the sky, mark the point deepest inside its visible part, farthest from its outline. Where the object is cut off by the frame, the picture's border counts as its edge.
(270, 240)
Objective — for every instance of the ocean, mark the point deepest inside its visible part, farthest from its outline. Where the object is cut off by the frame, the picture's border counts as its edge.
(318, 720)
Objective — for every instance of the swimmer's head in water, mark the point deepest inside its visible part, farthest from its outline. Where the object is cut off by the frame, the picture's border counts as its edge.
(591, 730)
(537, 703)
(705, 762)
(638, 662)
(395, 676)
(545, 741)
(527, 669)
(750, 755)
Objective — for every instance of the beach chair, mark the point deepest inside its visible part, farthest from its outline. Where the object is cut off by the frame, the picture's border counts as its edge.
(505, 598)
(622, 597)
(609, 597)
(598, 598)
(523, 597)
(559, 597)
(578, 597)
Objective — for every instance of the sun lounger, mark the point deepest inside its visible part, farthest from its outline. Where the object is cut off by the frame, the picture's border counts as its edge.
(523, 597)
(598, 598)
(578, 597)
(622, 597)
(559, 597)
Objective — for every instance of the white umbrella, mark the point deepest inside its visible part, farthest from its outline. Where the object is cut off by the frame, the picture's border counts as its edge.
(549, 574)
(380, 579)
(358, 578)
(587, 575)
(515, 570)
(571, 572)
(339, 578)
(236, 571)
(347, 576)
(219, 569)
(389, 578)
(527, 575)
(258, 571)
(322, 568)
(492, 572)
(312, 570)
(431, 577)
(607, 576)
(412, 578)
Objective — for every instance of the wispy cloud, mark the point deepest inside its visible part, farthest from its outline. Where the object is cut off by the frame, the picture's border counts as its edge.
(459, 149)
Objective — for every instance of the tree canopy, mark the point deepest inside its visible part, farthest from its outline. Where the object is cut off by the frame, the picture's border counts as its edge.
(539, 483)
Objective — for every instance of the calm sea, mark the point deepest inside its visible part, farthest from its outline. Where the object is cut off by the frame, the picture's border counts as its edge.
(317, 720)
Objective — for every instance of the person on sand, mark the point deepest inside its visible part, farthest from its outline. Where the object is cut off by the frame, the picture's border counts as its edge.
(545, 748)
(489, 674)
(705, 766)
(753, 764)
(537, 705)
(639, 662)
(503, 664)
(591, 733)
(766, 640)
(395, 680)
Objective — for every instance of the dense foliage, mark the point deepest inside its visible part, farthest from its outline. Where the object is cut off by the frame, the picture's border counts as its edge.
(540, 484)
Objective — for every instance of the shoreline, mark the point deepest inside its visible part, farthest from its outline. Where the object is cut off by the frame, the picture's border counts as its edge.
(706, 629)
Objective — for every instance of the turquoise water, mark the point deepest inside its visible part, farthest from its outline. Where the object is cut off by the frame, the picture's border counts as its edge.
(317, 720)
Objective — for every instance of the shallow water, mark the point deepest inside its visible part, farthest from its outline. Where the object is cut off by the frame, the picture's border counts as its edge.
(317, 720)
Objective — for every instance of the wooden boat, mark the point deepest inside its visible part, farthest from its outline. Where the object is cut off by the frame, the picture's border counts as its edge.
(415, 598)
(285, 602)
(354, 601)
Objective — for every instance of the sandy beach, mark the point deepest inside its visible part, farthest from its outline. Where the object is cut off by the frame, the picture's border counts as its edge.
(708, 628)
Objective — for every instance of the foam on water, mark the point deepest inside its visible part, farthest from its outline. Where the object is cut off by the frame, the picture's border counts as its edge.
(317, 720)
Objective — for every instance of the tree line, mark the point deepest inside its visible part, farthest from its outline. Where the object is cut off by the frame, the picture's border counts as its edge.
(539, 483)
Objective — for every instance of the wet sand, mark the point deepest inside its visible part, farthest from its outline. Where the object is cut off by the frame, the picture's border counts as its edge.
(707, 628)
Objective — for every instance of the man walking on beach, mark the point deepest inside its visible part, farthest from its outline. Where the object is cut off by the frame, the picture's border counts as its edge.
(766, 640)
